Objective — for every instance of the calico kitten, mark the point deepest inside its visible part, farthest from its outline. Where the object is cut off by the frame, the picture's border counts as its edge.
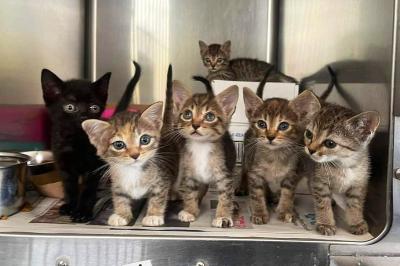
(69, 103)
(337, 139)
(142, 159)
(273, 151)
(216, 58)
(129, 143)
(207, 152)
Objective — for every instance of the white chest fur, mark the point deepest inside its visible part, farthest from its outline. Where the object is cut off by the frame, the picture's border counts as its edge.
(129, 179)
(349, 178)
(201, 154)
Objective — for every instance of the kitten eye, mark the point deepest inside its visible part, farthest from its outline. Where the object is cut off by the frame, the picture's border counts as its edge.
(261, 124)
(207, 60)
(119, 145)
(187, 115)
(209, 117)
(94, 108)
(308, 134)
(145, 139)
(330, 144)
(70, 108)
(283, 126)
(220, 60)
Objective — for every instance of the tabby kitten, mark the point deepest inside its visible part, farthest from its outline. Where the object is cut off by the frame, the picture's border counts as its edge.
(337, 139)
(207, 153)
(69, 103)
(216, 58)
(129, 144)
(273, 151)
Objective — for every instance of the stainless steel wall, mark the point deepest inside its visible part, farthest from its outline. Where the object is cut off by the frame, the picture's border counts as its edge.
(159, 32)
(34, 35)
(355, 38)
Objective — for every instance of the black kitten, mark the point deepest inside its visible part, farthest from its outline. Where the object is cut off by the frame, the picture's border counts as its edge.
(69, 103)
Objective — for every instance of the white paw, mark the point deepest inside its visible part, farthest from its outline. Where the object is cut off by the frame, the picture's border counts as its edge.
(184, 216)
(153, 220)
(222, 222)
(117, 220)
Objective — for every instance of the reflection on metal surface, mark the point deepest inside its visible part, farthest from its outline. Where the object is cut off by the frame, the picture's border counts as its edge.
(36, 35)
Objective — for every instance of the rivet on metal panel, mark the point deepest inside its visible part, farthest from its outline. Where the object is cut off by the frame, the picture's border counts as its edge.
(200, 263)
(397, 173)
(62, 261)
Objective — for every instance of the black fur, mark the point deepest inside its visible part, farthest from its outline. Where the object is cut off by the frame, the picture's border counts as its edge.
(74, 154)
(260, 88)
(206, 83)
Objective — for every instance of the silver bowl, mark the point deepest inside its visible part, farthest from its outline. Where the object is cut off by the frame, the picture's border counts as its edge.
(13, 172)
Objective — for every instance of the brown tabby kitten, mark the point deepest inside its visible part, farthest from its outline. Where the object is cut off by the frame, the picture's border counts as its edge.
(129, 143)
(337, 139)
(273, 150)
(207, 152)
(216, 58)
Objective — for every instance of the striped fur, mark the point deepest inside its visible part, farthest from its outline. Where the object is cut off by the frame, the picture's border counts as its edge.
(216, 58)
(207, 152)
(337, 140)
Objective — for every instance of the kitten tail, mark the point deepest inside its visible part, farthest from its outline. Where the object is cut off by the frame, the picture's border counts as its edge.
(260, 88)
(130, 88)
(169, 102)
(206, 83)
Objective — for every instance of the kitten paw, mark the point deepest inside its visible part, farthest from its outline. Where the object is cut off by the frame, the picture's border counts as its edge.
(259, 219)
(185, 216)
(359, 229)
(222, 222)
(326, 229)
(152, 220)
(66, 209)
(117, 220)
(286, 216)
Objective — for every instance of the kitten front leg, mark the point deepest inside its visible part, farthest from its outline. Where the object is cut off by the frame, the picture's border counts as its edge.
(354, 198)
(122, 210)
(285, 207)
(258, 205)
(323, 209)
(71, 192)
(156, 207)
(189, 191)
(223, 215)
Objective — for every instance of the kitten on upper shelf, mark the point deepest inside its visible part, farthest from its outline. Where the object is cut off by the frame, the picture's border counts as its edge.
(207, 152)
(216, 58)
(142, 161)
(337, 140)
(69, 103)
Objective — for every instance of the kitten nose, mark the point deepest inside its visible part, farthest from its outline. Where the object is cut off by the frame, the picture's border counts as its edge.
(270, 138)
(311, 151)
(135, 155)
(195, 126)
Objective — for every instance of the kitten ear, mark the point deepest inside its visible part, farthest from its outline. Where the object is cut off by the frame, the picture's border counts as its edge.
(99, 133)
(101, 86)
(365, 124)
(306, 104)
(251, 102)
(226, 47)
(180, 95)
(203, 47)
(152, 116)
(227, 100)
(51, 86)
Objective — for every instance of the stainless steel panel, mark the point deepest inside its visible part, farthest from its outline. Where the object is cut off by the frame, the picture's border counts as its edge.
(159, 32)
(34, 35)
(356, 39)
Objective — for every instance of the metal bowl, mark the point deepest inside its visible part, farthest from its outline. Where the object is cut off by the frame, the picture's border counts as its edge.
(13, 172)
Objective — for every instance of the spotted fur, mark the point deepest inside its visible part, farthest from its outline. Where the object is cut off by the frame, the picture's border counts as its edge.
(273, 149)
(337, 140)
(207, 151)
(216, 58)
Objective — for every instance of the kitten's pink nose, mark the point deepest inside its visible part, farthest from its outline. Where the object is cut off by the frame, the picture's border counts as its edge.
(135, 155)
